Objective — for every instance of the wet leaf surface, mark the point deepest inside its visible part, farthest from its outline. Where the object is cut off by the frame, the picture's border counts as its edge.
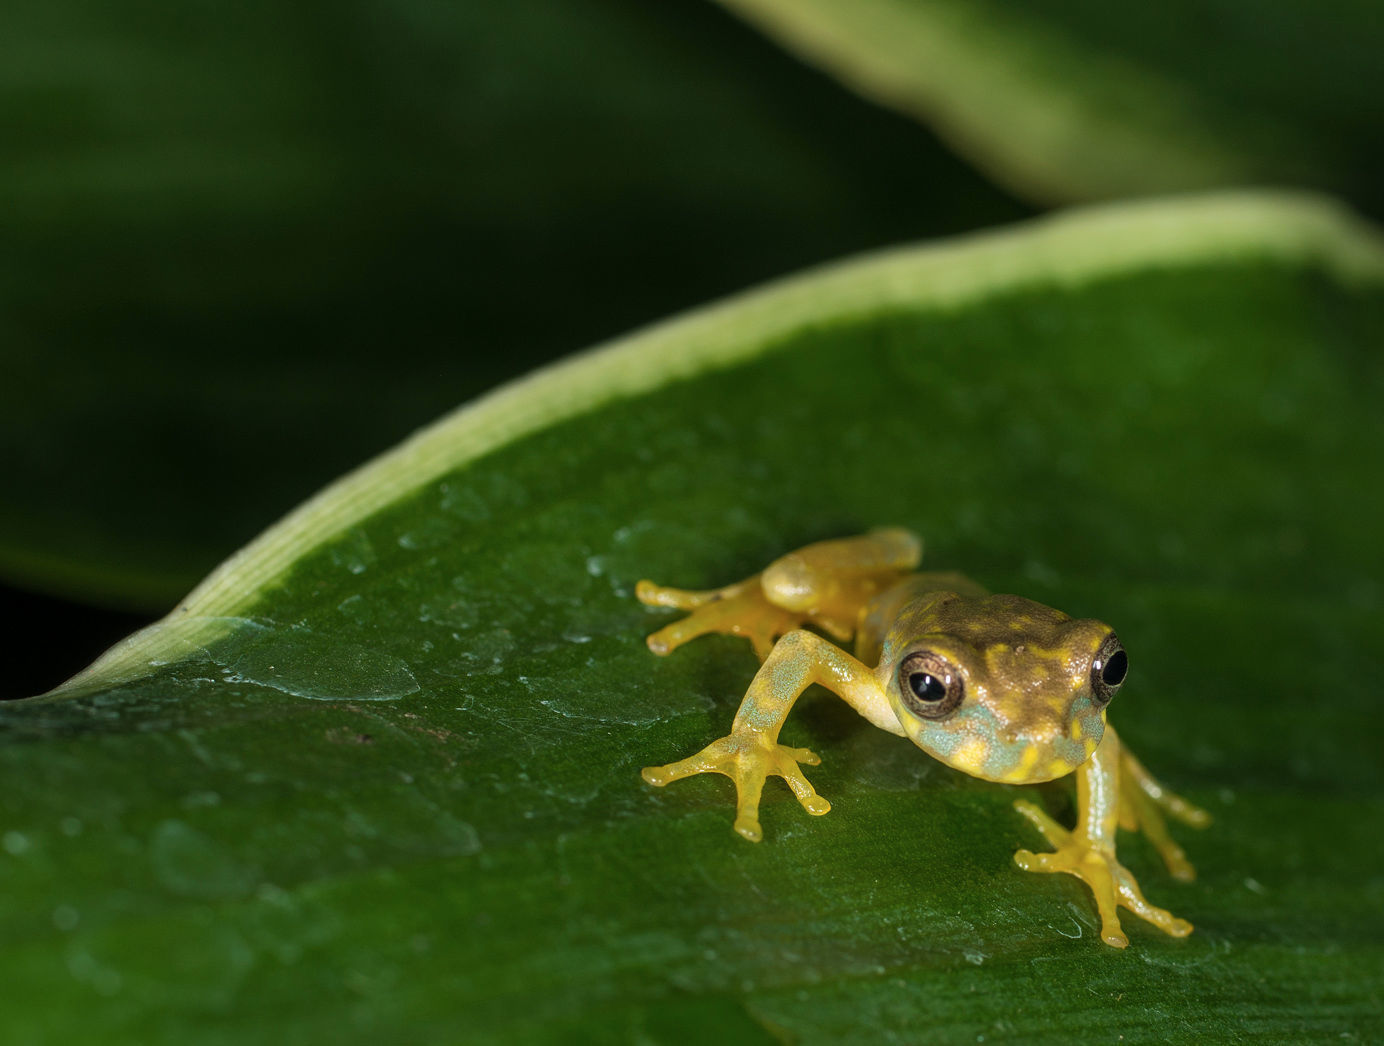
(392, 791)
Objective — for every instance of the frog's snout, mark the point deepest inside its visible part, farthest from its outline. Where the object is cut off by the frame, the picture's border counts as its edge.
(1045, 747)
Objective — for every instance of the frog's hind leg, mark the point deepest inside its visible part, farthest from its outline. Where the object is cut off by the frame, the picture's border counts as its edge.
(738, 610)
(826, 585)
(832, 582)
(687, 598)
(1143, 802)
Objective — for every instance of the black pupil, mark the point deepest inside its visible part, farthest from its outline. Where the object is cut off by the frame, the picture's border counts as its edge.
(927, 687)
(1114, 671)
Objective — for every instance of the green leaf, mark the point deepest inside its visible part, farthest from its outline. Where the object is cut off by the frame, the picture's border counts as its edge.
(251, 227)
(377, 778)
(1078, 99)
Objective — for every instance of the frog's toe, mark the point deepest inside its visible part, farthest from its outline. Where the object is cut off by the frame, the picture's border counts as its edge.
(762, 643)
(655, 775)
(1112, 935)
(1177, 808)
(1145, 814)
(748, 828)
(1148, 789)
(736, 611)
(1032, 862)
(748, 760)
(1112, 885)
(1179, 867)
(753, 764)
(805, 756)
(658, 776)
(662, 596)
(1068, 858)
(1133, 899)
(748, 787)
(1175, 858)
(1091, 868)
(1053, 832)
(807, 795)
(1096, 879)
(1192, 816)
(1107, 907)
(670, 637)
(764, 624)
(722, 756)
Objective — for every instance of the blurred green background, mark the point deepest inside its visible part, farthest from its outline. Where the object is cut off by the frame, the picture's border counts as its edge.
(248, 245)
(251, 244)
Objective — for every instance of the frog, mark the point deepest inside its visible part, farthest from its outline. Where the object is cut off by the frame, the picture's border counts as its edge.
(999, 687)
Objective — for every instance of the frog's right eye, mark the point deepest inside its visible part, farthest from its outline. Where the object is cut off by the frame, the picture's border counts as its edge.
(1108, 670)
(930, 684)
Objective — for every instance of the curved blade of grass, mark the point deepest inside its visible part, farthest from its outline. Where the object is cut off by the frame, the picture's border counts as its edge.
(378, 778)
(1071, 100)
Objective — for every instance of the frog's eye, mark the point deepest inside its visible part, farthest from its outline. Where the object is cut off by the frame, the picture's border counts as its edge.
(1108, 670)
(931, 686)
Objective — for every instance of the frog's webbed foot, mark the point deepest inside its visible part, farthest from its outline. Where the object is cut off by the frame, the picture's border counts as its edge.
(1144, 801)
(747, 759)
(1111, 882)
(739, 610)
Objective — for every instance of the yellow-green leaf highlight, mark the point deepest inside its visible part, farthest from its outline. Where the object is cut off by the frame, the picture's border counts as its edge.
(1067, 250)
(1065, 100)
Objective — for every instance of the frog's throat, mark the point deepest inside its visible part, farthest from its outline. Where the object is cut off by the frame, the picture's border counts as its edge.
(974, 742)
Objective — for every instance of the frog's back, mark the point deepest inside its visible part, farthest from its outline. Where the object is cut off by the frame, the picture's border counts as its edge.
(879, 615)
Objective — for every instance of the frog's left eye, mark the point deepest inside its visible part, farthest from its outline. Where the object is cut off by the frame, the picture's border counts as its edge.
(930, 684)
(1108, 670)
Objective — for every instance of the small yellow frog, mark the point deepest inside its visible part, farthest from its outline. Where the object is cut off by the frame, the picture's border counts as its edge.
(1001, 687)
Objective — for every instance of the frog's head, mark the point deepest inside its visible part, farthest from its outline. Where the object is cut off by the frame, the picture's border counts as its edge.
(1001, 687)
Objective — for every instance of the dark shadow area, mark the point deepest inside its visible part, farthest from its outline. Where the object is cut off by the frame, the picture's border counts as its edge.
(51, 639)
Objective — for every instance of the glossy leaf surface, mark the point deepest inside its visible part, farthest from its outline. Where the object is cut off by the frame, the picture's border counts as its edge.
(378, 777)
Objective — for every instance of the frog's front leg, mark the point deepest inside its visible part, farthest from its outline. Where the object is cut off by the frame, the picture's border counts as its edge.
(1088, 851)
(750, 753)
